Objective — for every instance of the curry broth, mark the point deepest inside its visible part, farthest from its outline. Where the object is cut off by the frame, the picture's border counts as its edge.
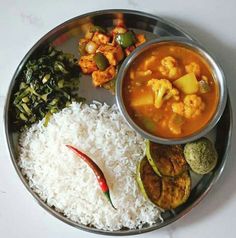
(155, 120)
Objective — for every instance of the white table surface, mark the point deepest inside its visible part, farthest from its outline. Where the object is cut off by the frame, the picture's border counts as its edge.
(23, 22)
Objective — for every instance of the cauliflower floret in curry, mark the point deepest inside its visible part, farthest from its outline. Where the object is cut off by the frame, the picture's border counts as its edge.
(193, 68)
(178, 107)
(163, 91)
(169, 68)
(191, 107)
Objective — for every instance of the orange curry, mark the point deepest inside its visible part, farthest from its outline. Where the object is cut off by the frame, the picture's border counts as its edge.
(170, 91)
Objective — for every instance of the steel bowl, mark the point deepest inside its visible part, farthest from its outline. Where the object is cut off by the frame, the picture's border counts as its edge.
(218, 77)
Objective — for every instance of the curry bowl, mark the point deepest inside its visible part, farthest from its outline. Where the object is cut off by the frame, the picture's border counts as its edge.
(171, 90)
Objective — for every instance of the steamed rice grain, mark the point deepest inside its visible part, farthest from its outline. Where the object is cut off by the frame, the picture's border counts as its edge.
(66, 182)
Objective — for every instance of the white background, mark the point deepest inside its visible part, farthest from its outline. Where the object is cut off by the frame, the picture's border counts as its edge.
(23, 22)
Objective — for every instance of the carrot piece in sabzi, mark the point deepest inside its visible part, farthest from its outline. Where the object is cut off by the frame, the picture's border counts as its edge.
(97, 171)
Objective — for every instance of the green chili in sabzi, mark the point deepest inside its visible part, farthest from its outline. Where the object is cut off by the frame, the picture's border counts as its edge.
(48, 83)
(97, 171)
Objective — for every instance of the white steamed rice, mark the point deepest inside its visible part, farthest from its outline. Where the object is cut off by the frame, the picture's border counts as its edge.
(65, 181)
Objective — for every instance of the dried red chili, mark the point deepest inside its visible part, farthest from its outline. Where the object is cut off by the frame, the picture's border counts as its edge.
(97, 171)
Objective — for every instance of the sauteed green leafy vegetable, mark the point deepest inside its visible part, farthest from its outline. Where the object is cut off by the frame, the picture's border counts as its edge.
(48, 84)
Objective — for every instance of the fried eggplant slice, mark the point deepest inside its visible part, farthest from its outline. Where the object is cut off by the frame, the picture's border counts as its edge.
(149, 183)
(175, 191)
(165, 192)
(166, 160)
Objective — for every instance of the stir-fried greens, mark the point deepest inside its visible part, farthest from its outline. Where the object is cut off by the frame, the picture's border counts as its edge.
(47, 85)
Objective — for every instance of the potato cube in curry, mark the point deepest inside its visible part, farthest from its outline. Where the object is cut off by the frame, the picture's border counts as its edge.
(188, 83)
(143, 100)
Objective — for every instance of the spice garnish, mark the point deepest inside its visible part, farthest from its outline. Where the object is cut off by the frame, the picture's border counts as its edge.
(97, 171)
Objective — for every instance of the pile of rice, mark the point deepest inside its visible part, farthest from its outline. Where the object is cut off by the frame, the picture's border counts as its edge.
(65, 181)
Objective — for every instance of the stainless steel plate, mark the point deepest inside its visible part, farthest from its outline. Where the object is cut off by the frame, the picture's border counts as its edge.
(65, 37)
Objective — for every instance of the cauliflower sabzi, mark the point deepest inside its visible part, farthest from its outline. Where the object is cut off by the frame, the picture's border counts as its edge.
(170, 91)
(169, 68)
(163, 91)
